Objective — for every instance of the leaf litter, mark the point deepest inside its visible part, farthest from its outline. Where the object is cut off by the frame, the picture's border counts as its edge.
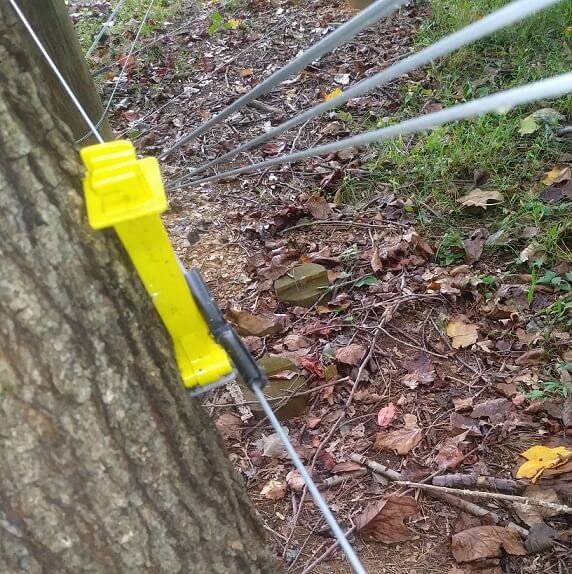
(443, 342)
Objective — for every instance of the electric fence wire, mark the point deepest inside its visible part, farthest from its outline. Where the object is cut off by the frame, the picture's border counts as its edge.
(501, 102)
(106, 25)
(55, 69)
(351, 28)
(312, 488)
(125, 64)
(510, 14)
(187, 89)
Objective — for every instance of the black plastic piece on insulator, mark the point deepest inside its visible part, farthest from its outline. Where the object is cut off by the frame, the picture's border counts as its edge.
(223, 333)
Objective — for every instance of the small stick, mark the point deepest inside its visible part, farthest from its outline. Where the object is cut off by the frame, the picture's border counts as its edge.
(340, 478)
(472, 481)
(465, 505)
(560, 508)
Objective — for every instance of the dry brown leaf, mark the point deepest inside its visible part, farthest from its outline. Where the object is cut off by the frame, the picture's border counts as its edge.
(248, 324)
(401, 441)
(531, 514)
(375, 261)
(481, 199)
(228, 425)
(474, 246)
(386, 415)
(463, 405)
(496, 410)
(558, 174)
(485, 542)
(346, 467)
(420, 369)
(273, 490)
(295, 342)
(383, 520)
(462, 334)
(318, 207)
(450, 455)
(350, 355)
(295, 481)
(530, 358)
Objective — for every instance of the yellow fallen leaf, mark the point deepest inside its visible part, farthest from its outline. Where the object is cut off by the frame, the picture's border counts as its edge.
(557, 174)
(462, 334)
(332, 94)
(233, 23)
(540, 458)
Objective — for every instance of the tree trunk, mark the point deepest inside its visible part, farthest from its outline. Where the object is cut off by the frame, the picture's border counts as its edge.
(106, 466)
(52, 24)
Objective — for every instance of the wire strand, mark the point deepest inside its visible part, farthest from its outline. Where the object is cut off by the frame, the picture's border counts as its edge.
(58, 74)
(345, 32)
(312, 488)
(506, 16)
(106, 25)
(108, 105)
(501, 102)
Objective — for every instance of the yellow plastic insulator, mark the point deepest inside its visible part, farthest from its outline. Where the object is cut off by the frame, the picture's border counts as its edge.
(127, 194)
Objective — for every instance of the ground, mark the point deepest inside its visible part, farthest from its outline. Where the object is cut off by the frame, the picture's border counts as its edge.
(442, 344)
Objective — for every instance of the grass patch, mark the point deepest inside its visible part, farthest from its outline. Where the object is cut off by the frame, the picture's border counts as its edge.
(127, 20)
(435, 168)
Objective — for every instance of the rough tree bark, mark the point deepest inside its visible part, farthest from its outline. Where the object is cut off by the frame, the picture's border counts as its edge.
(51, 22)
(106, 465)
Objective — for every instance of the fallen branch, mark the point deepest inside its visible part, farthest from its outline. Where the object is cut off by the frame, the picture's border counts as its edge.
(465, 505)
(340, 478)
(559, 508)
(476, 481)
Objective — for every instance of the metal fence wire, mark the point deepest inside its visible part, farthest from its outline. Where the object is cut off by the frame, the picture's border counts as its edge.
(497, 103)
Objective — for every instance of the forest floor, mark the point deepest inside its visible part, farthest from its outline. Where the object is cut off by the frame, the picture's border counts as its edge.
(441, 345)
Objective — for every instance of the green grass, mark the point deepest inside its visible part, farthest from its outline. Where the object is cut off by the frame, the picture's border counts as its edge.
(434, 169)
(128, 20)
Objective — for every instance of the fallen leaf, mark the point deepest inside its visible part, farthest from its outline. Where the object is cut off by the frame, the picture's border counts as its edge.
(295, 342)
(271, 446)
(557, 174)
(382, 520)
(532, 253)
(506, 389)
(295, 481)
(462, 334)
(233, 23)
(548, 116)
(540, 538)
(229, 425)
(312, 421)
(273, 490)
(402, 440)
(375, 261)
(474, 246)
(273, 148)
(421, 371)
(495, 410)
(342, 79)
(318, 207)
(462, 422)
(531, 513)
(248, 324)
(528, 125)
(349, 466)
(481, 199)
(331, 95)
(530, 358)
(557, 193)
(485, 542)
(449, 454)
(350, 355)
(386, 415)
(463, 405)
(245, 72)
(540, 458)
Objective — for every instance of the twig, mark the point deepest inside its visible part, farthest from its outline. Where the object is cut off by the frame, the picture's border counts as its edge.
(266, 107)
(560, 508)
(323, 556)
(344, 223)
(480, 482)
(340, 478)
(465, 505)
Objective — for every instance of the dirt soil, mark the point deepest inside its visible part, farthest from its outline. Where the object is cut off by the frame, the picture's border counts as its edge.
(423, 369)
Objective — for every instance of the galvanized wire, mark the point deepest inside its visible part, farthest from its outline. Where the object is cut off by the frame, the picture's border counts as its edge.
(501, 102)
(55, 69)
(312, 488)
(366, 18)
(502, 18)
(126, 63)
(106, 25)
